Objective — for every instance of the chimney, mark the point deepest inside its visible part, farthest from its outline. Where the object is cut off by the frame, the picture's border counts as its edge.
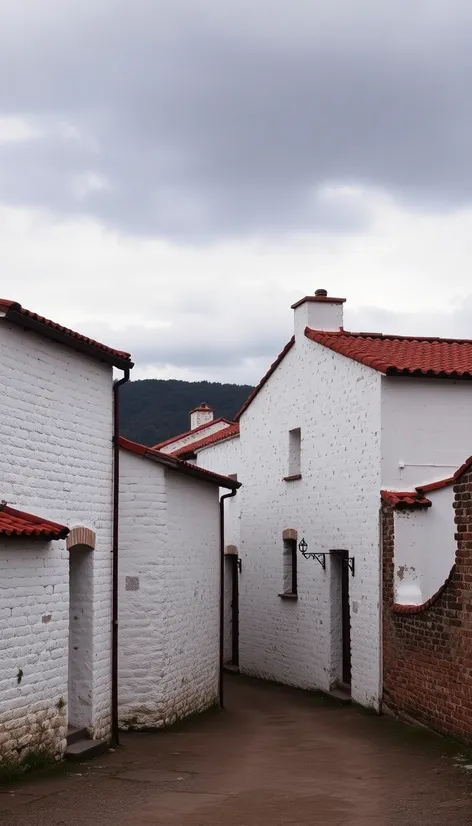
(319, 311)
(201, 415)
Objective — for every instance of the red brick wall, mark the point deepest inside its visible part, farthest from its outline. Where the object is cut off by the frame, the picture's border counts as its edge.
(427, 650)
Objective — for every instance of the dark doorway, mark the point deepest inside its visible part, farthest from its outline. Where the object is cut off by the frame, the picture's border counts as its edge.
(235, 612)
(231, 641)
(340, 618)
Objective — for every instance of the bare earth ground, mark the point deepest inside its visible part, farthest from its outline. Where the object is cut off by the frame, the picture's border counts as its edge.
(275, 756)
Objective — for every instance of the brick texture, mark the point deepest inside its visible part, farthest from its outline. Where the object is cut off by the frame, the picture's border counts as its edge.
(427, 650)
(55, 461)
(169, 618)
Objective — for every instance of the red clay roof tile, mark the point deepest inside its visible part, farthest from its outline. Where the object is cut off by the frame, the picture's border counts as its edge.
(405, 499)
(19, 523)
(184, 435)
(443, 483)
(178, 465)
(221, 435)
(401, 355)
(17, 314)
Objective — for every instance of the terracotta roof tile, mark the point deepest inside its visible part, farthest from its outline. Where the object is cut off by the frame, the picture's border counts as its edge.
(443, 483)
(19, 523)
(405, 499)
(401, 355)
(220, 436)
(17, 314)
(178, 465)
(184, 435)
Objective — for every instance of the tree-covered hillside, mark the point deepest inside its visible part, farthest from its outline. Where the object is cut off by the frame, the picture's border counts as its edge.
(153, 410)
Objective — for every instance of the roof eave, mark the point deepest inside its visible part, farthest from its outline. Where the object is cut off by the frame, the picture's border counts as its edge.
(28, 323)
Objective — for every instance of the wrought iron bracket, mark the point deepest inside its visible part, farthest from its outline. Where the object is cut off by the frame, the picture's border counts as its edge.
(321, 556)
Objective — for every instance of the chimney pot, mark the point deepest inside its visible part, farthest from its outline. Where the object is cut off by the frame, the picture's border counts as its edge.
(318, 312)
(201, 415)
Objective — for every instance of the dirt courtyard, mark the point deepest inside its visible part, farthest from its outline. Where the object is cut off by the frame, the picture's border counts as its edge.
(274, 756)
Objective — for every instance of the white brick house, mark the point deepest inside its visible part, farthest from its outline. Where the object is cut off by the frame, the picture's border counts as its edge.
(56, 461)
(170, 587)
(338, 417)
(202, 425)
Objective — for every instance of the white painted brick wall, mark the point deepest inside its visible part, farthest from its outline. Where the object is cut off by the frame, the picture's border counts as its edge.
(34, 622)
(56, 461)
(169, 627)
(336, 402)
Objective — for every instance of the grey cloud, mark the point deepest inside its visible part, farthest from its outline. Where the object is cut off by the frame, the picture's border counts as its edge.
(218, 347)
(213, 119)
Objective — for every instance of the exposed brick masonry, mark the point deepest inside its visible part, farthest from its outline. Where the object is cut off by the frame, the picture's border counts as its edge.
(427, 653)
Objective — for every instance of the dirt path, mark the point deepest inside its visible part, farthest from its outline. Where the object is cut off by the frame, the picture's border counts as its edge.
(276, 756)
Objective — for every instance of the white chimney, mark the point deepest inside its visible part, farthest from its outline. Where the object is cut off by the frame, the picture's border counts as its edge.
(201, 415)
(319, 311)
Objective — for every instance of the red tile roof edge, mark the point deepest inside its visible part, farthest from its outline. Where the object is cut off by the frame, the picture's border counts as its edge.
(336, 340)
(230, 432)
(443, 483)
(29, 525)
(418, 609)
(190, 432)
(318, 299)
(405, 499)
(178, 464)
(265, 378)
(19, 315)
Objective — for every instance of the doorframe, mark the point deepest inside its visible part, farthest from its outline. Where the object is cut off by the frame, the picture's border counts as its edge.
(235, 611)
(341, 560)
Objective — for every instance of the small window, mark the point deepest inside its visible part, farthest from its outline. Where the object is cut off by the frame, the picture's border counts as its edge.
(290, 567)
(294, 452)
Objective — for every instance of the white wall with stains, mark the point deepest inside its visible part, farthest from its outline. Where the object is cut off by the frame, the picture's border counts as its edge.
(424, 548)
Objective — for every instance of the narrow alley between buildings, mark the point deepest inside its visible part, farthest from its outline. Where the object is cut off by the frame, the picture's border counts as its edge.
(275, 756)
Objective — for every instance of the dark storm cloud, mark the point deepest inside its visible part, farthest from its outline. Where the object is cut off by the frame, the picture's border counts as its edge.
(211, 119)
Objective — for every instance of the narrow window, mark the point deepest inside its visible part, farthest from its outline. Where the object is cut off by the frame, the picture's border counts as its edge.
(294, 452)
(290, 567)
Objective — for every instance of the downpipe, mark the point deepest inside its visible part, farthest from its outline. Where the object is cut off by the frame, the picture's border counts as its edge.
(222, 594)
(115, 560)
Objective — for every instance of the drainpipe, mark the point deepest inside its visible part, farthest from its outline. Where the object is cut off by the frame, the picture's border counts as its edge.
(116, 498)
(222, 592)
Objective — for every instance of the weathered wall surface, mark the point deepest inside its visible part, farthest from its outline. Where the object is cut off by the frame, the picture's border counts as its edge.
(424, 547)
(336, 403)
(56, 461)
(169, 594)
(34, 623)
(427, 649)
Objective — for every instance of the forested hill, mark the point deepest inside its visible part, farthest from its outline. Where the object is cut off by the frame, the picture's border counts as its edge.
(153, 410)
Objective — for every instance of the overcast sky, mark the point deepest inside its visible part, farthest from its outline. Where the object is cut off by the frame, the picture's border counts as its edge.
(174, 174)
